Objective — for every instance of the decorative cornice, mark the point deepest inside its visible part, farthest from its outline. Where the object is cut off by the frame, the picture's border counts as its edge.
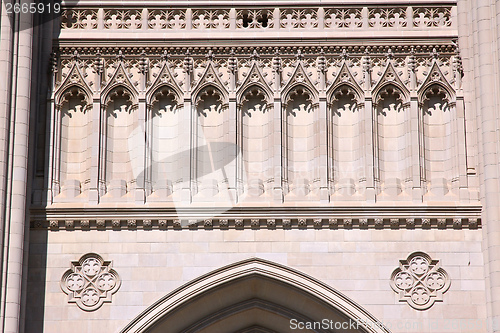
(274, 218)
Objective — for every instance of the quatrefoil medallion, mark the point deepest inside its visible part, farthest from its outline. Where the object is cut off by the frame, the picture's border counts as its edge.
(90, 282)
(420, 281)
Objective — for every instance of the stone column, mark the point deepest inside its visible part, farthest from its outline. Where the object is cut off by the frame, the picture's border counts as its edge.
(15, 111)
(476, 26)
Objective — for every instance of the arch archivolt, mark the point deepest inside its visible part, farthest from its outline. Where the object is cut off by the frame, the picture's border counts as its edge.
(74, 91)
(164, 91)
(253, 286)
(120, 91)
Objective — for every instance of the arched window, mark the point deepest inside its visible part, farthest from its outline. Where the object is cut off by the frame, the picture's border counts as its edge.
(393, 134)
(347, 156)
(121, 148)
(303, 141)
(440, 164)
(74, 142)
(169, 151)
(214, 149)
(257, 141)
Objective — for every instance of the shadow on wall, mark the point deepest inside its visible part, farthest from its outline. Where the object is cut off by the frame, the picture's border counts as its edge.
(37, 270)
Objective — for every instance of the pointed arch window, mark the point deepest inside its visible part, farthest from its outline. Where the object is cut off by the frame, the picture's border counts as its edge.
(257, 140)
(121, 148)
(169, 151)
(441, 166)
(394, 139)
(75, 132)
(347, 138)
(213, 149)
(302, 153)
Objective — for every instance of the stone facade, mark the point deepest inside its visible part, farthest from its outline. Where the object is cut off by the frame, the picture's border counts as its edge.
(250, 167)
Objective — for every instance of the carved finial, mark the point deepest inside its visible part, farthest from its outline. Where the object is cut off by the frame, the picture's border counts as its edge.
(165, 56)
(143, 62)
(344, 55)
(390, 54)
(277, 60)
(232, 61)
(120, 56)
(299, 56)
(53, 62)
(367, 60)
(188, 62)
(98, 62)
(434, 54)
(75, 57)
(412, 64)
(210, 55)
(321, 61)
(255, 56)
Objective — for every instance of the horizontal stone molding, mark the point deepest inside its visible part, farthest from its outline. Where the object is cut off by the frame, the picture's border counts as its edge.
(254, 218)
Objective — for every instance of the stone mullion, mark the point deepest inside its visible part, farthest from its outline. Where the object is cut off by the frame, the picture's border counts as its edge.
(409, 17)
(232, 19)
(370, 132)
(321, 18)
(97, 144)
(279, 132)
(56, 150)
(189, 19)
(415, 144)
(324, 124)
(145, 14)
(276, 18)
(422, 154)
(280, 145)
(323, 150)
(240, 185)
(192, 120)
(140, 189)
(100, 19)
(460, 144)
(51, 129)
(370, 148)
(148, 171)
(376, 143)
(234, 132)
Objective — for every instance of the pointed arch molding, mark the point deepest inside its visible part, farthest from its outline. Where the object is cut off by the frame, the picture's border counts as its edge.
(314, 291)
